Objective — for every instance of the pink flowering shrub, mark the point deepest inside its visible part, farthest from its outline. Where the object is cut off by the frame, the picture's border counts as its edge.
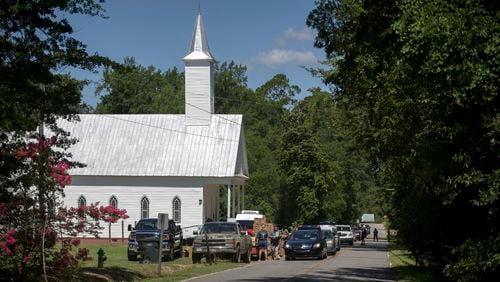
(10, 242)
(32, 221)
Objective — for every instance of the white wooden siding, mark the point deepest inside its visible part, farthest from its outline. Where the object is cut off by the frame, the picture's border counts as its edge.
(189, 191)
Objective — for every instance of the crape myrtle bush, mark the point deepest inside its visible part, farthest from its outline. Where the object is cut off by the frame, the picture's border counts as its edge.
(32, 217)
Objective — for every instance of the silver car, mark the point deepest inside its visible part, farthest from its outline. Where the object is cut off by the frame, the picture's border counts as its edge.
(346, 235)
(331, 245)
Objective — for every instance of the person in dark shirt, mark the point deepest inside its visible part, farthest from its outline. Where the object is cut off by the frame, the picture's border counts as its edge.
(375, 234)
(262, 242)
(364, 233)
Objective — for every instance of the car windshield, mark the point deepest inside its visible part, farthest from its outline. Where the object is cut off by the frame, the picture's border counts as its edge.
(305, 235)
(228, 228)
(343, 228)
(327, 234)
(147, 224)
(246, 224)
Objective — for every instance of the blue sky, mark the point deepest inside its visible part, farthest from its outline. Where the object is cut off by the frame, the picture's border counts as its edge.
(268, 36)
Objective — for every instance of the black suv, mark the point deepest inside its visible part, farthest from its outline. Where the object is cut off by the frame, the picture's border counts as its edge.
(147, 229)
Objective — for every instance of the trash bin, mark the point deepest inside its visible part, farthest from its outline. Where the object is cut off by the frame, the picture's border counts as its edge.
(148, 250)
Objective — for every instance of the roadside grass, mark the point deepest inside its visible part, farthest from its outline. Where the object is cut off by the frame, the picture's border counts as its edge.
(405, 268)
(119, 268)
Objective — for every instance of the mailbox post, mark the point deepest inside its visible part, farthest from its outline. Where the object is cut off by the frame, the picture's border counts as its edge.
(162, 224)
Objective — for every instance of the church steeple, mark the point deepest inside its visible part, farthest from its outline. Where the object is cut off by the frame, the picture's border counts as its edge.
(199, 45)
(199, 79)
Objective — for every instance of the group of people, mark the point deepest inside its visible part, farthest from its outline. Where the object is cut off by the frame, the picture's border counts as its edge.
(364, 233)
(276, 237)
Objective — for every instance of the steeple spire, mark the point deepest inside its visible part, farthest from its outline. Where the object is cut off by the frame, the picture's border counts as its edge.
(199, 45)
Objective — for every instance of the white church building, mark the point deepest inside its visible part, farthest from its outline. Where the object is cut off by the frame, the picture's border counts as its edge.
(161, 163)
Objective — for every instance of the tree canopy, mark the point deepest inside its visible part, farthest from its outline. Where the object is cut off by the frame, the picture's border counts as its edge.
(417, 82)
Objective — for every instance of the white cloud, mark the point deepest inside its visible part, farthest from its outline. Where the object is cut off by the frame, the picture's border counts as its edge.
(303, 34)
(278, 57)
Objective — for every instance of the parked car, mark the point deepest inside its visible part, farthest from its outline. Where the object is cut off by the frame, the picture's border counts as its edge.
(346, 235)
(332, 226)
(147, 229)
(222, 239)
(331, 242)
(306, 243)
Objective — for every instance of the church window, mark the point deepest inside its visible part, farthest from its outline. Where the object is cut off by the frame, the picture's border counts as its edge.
(82, 202)
(176, 209)
(144, 207)
(113, 201)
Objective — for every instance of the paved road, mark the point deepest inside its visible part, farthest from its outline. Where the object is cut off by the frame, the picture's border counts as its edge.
(352, 263)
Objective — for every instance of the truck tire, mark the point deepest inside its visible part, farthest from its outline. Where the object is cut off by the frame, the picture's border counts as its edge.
(196, 258)
(179, 254)
(237, 256)
(248, 256)
(131, 256)
(170, 254)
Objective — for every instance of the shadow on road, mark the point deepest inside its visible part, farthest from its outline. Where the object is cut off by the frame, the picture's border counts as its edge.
(341, 274)
(350, 265)
(370, 246)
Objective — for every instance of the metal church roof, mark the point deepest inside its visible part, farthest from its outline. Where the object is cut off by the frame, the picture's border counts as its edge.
(157, 145)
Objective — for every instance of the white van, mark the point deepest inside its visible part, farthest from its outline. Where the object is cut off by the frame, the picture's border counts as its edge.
(247, 217)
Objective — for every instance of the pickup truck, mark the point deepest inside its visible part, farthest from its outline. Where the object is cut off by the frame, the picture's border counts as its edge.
(147, 229)
(222, 239)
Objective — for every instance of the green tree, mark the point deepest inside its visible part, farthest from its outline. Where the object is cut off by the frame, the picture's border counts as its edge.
(308, 175)
(133, 89)
(279, 89)
(418, 84)
(262, 119)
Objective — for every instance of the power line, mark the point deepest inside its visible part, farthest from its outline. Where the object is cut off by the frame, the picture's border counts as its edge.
(211, 113)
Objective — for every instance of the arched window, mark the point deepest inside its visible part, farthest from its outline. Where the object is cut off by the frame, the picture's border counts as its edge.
(82, 202)
(113, 201)
(176, 209)
(144, 207)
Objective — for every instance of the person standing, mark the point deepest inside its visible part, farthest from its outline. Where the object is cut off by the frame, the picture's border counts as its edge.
(364, 232)
(262, 241)
(375, 234)
(275, 242)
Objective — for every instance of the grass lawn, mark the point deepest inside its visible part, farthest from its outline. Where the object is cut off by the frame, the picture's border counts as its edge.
(405, 268)
(119, 268)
